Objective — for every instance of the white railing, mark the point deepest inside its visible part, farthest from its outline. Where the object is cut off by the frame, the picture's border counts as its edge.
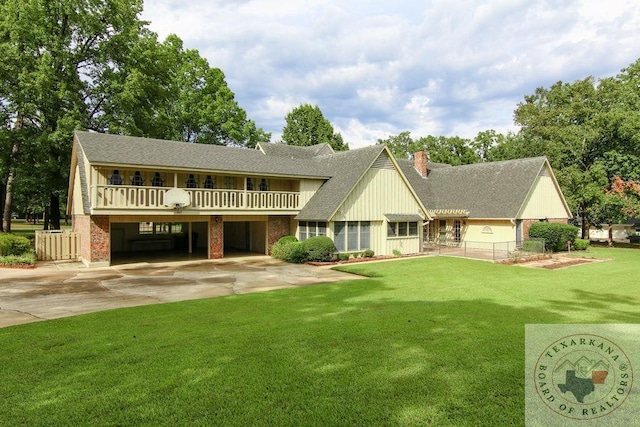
(137, 197)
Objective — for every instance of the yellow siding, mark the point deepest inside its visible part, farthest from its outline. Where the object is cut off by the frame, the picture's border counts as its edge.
(308, 188)
(544, 201)
(77, 208)
(379, 192)
(405, 245)
(489, 231)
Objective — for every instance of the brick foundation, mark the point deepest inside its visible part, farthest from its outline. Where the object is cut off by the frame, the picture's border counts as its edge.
(278, 226)
(216, 238)
(95, 243)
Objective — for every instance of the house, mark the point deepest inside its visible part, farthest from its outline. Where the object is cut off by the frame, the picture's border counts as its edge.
(129, 195)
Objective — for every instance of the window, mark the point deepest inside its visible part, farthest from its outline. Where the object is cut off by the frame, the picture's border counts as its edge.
(249, 184)
(115, 178)
(312, 228)
(229, 182)
(264, 185)
(456, 230)
(137, 178)
(352, 235)
(157, 180)
(402, 229)
(209, 182)
(160, 228)
(192, 182)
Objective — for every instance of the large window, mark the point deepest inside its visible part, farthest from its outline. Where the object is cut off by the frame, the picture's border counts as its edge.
(352, 235)
(311, 228)
(402, 229)
(160, 228)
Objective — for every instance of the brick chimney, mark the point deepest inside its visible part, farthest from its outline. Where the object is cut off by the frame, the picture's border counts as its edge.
(420, 160)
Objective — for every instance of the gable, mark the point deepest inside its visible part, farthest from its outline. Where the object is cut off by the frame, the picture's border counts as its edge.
(545, 200)
(381, 190)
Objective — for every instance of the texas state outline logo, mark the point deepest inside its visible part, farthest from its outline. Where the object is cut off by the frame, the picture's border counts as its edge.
(583, 376)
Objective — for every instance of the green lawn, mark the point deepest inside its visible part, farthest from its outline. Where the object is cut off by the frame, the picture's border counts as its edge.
(424, 341)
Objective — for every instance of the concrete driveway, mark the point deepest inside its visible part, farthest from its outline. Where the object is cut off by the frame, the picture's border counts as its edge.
(62, 289)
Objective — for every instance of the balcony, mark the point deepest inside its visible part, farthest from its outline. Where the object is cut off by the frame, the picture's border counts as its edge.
(117, 197)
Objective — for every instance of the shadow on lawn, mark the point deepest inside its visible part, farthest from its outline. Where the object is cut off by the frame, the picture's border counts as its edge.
(317, 355)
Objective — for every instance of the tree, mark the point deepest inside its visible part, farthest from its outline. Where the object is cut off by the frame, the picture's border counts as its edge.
(306, 126)
(402, 146)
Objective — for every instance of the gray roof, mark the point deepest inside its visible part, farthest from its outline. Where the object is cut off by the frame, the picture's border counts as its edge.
(295, 152)
(403, 217)
(106, 149)
(347, 168)
(486, 190)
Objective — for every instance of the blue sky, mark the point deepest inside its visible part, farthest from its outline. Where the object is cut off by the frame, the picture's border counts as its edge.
(378, 68)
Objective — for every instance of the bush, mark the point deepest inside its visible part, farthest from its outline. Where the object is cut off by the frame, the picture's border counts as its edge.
(369, 253)
(294, 252)
(555, 235)
(397, 253)
(580, 244)
(278, 249)
(535, 246)
(343, 256)
(319, 248)
(10, 244)
(26, 258)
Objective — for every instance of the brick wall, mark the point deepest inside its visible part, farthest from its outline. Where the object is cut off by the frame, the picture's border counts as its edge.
(420, 163)
(81, 225)
(100, 239)
(216, 237)
(278, 226)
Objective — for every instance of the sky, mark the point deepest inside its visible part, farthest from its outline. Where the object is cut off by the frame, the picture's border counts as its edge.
(377, 68)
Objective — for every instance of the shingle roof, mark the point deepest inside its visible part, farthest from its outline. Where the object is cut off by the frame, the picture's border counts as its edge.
(108, 149)
(486, 190)
(347, 168)
(294, 152)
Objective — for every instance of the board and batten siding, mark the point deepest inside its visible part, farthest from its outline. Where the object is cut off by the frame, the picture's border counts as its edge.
(544, 201)
(379, 192)
(489, 231)
(308, 188)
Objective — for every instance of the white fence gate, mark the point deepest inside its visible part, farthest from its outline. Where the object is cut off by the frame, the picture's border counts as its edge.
(57, 245)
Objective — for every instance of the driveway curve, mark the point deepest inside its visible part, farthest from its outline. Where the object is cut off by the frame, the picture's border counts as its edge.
(62, 289)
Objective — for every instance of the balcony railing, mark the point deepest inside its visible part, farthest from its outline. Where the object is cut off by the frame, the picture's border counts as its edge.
(137, 197)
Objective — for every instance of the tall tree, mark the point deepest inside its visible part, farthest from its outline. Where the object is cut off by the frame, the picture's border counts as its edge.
(306, 125)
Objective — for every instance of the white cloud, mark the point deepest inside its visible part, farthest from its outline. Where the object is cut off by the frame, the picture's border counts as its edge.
(377, 68)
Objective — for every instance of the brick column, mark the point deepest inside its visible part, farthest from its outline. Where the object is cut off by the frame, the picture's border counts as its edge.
(278, 226)
(216, 237)
(100, 240)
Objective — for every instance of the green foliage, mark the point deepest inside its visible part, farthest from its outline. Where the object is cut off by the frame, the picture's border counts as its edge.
(27, 258)
(306, 126)
(10, 244)
(319, 248)
(343, 256)
(397, 253)
(533, 246)
(278, 249)
(369, 253)
(294, 252)
(555, 235)
(580, 244)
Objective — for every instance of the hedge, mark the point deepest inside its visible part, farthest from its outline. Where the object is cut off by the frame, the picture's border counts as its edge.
(319, 248)
(10, 244)
(555, 235)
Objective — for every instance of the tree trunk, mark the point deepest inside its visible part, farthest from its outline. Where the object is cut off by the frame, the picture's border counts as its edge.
(8, 194)
(610, 235)
(54, 212)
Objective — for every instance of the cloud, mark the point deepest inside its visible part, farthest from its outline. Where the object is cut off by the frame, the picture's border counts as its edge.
(376, 68)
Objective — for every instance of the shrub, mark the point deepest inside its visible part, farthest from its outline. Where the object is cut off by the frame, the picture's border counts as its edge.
(343, 256)
(555, 235)
(397, 252)
(278, 249)
(535, 246)
(26, 258)
(580, 244)
(294, 252)
(319, 248)
(369, 253)
(10, 244)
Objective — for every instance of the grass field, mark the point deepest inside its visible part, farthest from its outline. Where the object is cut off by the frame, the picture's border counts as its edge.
(429, 341)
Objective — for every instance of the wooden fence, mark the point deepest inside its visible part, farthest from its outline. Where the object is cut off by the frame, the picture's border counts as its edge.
(57, 245)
